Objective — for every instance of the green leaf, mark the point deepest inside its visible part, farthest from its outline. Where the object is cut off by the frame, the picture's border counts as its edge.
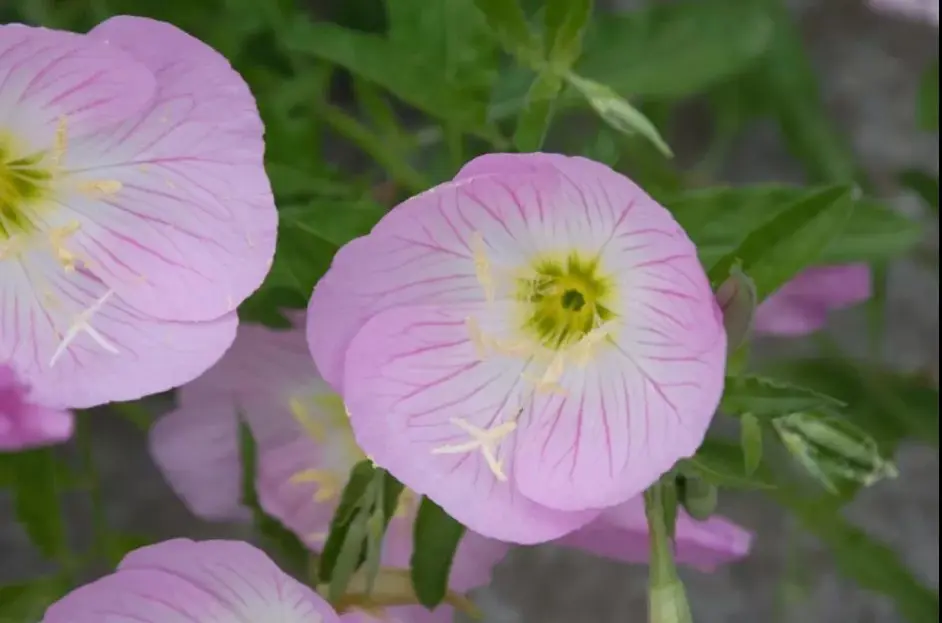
(890, 406)
(337, 222)
(604, 147)
(924, 185)
(790, 242)
(375, 59)
(350, 555)
(535, 118)
(293, 554)
(452, 36)
(766, 398)
(617, 112)
(860, 557)
(506, 19)
(36, 502)
(353, 503)
(436, 537)
(928, 99)
(721, 463)
(787, 82)
(564, 25)
(751, 440)
(839, 454)
(719, 219)
(25, 602)
(663, 51)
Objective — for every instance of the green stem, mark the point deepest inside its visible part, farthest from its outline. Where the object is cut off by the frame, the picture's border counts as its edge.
(667, 599)
(133, 412)
(364, 138)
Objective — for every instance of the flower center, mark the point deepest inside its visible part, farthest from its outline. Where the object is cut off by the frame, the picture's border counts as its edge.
(563, 299)
(24, 186)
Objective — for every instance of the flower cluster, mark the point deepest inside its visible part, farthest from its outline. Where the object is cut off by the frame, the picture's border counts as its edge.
(531, 345)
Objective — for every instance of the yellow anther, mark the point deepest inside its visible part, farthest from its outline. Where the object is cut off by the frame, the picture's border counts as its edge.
(328, 483)
(57, 238)
(480, 341)
(307, 421)
(61, 144)
(101, 187)
(548, 382)
(482, 266)
(485, 440)
(583, 350)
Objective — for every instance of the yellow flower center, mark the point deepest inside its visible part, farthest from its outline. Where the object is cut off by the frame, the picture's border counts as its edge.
(563, 299)
(25, 187)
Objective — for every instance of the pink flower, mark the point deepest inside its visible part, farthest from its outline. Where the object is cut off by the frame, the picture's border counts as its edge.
(24, 424)
(306, 451)
(526, 345)
(801, 306)
(920, 10)
(135, 213)
(183, 580)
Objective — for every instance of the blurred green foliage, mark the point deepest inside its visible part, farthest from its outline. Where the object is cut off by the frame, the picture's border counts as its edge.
(368, 101)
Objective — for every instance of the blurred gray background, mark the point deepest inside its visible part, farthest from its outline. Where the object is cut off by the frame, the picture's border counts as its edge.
(869, 67)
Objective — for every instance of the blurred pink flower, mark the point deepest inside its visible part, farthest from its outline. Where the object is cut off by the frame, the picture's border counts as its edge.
(135, 214)
(183, 580)
(306, 450)
(801, 306)
(920, 10)
(24, 424)
(526, 345)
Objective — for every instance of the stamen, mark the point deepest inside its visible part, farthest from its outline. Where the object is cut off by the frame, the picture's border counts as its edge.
(82, 325)
(548, 382)
(482, 266)
(307, 421)
(328, 484)
(61, 144)
(485, 440)
(102, 187)
(57, 238)
(585, 348)
(478, 339)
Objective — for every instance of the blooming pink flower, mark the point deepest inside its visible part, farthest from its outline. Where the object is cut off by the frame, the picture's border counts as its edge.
(135, 213)
(801, 306)
(183, 580)
(527, 344)
(920, 10)
(306, 451)
(24, 424)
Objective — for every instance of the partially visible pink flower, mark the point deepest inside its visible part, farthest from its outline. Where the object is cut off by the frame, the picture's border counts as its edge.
(621, 534)
(920, 10)
(305, 451)
(801, 306)
(136, 213)
(526, 345)
(183, 580)
(24, 424)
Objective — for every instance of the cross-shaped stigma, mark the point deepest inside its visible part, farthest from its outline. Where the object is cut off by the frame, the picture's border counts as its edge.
(82, 324)
(485, 440)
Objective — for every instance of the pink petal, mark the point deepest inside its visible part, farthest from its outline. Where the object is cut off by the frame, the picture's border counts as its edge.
(409, 371)
(24, 424)
(801, 306)
(621, 533)
(125, 356)
(197, 451)
(185, 229)
(505, 164)
(420, 252)
(189, 582)
(47, 76)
